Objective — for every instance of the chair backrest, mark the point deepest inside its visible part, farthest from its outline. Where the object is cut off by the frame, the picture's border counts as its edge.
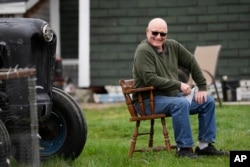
(128, 89)
(207, 57)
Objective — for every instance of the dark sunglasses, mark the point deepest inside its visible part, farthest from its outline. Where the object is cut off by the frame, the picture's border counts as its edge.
(155, 33)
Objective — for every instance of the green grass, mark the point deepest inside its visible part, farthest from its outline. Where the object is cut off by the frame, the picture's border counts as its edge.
(109, 136)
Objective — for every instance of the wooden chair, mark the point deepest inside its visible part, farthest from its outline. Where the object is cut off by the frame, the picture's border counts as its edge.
(128, 90)
(207, 57)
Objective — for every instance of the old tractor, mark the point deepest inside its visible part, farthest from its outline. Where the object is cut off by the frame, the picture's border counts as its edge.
(29, 43)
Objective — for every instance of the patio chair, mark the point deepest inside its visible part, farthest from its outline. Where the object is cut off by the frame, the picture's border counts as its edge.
(207, 57)
(128, 90)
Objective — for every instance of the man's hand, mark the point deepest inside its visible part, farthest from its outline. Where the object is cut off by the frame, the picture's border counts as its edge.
(201, 97)
(185, 88)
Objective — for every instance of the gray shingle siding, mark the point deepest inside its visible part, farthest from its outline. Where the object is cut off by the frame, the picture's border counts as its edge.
(69, 28)
(118, 26)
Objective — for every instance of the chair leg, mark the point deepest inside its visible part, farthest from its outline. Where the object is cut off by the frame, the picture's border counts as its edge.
(151, 133)
(217, 94)
(165, 134)
(134, 138)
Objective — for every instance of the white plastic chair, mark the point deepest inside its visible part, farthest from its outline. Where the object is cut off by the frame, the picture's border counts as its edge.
(207, 57)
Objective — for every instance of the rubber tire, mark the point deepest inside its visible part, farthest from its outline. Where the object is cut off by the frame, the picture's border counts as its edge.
(5, 146)
(73, 128)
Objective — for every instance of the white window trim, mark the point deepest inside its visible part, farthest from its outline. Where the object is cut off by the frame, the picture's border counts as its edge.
(84, 44)
(16, 7)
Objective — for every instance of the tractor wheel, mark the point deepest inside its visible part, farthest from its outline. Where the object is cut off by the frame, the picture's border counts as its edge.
(5, 145)
(64, 133)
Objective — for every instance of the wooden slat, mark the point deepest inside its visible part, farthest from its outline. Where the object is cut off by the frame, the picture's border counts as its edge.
(16, 73)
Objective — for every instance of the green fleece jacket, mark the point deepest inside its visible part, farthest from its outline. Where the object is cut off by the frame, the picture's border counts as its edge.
(160, 70)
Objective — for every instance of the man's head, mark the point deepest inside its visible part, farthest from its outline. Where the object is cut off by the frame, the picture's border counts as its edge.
(157, 32)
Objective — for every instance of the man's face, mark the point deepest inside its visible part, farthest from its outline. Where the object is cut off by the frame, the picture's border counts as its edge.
(156, 35)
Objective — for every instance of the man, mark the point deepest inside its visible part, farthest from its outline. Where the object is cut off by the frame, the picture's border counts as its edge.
(156, 64)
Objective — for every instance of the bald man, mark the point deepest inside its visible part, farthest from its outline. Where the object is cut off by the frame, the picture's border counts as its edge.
(156, 63)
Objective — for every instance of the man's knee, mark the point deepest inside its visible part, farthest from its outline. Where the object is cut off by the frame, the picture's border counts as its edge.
(182, 102)
(210, 101)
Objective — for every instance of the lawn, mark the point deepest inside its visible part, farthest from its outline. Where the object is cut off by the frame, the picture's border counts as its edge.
(109, 136)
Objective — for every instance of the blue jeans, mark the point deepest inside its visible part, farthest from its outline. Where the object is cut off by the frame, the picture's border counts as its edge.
(180, 109)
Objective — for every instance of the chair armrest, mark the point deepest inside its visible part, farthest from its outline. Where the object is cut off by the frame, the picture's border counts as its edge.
(209, 77)
(206, 71)
(144, 89)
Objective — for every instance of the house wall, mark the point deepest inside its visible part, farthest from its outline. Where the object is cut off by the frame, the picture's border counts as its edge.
(69, 28)
(117, 27)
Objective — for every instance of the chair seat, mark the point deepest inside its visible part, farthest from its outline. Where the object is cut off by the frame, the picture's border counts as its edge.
(147, 117)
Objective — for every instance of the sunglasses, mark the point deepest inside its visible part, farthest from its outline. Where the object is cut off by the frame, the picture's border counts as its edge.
(155, 33)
